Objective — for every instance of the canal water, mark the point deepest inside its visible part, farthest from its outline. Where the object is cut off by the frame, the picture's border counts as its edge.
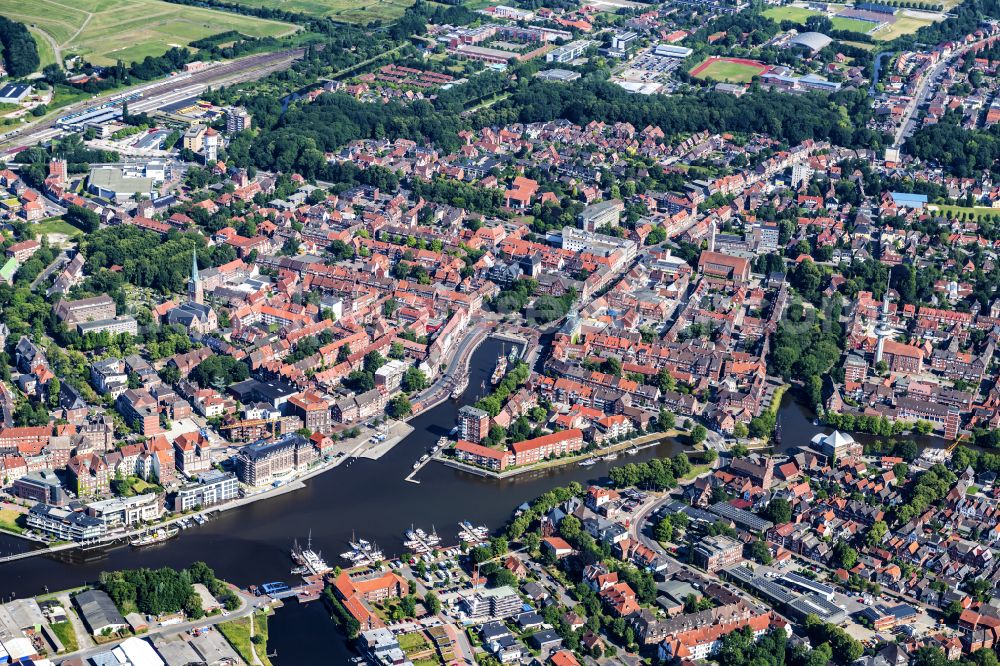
(362, 498)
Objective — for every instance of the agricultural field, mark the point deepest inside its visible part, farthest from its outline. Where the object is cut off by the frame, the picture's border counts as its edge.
(104, 31)
(348, 11)
(729, 70)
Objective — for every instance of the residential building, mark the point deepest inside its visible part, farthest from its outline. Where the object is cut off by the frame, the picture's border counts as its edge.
(64, 524)
(213, 487)
(263, 462)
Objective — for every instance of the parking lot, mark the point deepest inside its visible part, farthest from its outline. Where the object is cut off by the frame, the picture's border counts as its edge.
(645, 71)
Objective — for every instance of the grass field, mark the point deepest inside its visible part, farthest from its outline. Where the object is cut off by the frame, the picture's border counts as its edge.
(64, 631)
(725, 70)
(956, 212)
(12, 521)
(904, 25)
(854, 25)
(348, 11)
(46, 52)
(105, 31)
(237, 632)
(55, 225)
(789, 13)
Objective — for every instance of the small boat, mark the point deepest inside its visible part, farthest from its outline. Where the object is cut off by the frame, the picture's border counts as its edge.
(157, 536)
(589, 462)
(634, 450)
(416, 464)
(514, 355)
(611, 456)
(456, 394)
(425, 457)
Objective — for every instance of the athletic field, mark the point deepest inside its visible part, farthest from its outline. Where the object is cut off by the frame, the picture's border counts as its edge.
(730, 70)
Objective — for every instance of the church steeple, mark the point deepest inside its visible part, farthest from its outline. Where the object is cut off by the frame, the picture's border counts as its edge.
(195, 289)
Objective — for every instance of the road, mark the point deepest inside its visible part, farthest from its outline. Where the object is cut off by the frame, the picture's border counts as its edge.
(56, 264)
(924, 88)
(249, 606)
(164, 92)
(457, 366)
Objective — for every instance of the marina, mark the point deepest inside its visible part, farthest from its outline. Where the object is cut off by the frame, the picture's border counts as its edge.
(473, 535)
(309, 560)
(421, 542)
(362, 553)
(250, 543)
(439, 446)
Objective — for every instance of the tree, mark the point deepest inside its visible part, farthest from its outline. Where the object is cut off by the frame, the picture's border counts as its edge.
(399, 407)
(844, 555)
(53, 388)
(698, 434)
(373, 361)
(414, 380)
(432, 603)
(665, 529)
(740, 430)
(83, 218)
(504, 577)
(876, 534)
(760, 552)
(778, 511)
(740, 451)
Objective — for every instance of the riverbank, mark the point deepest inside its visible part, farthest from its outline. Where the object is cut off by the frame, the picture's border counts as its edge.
(639, 443)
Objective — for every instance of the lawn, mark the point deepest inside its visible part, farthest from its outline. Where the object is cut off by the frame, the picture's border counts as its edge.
(56, 225)
(104, 31)
(956, 212)
(730, 72)
(348, 11)
(854, 25)
(46, 54)
(11, 521)
(413, 643)
(696, 470)
(904, 25)
(64, 632)
(790, 13)
(237, 632)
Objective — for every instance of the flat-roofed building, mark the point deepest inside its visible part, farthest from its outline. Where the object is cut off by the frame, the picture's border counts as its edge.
(41, 486)
(111, 183)
(601, 214)
(65, 525)
(213, 487)
(473, 424)
(127, 511)
(715, 552)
